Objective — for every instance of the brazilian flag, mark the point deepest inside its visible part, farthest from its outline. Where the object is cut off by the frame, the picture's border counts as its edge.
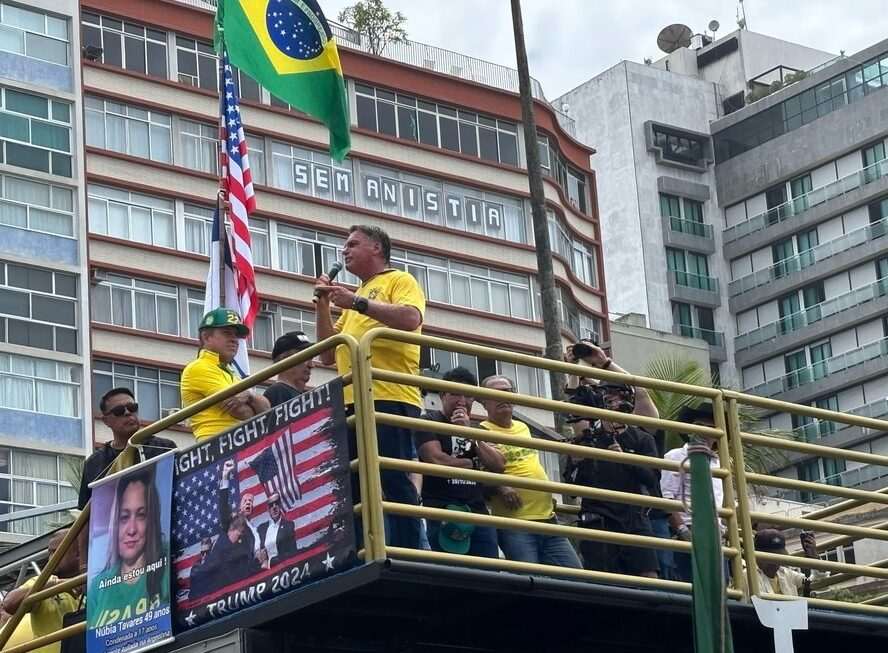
(287, 47)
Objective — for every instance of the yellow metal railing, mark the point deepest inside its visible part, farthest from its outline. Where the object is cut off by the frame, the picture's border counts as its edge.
(737, 511)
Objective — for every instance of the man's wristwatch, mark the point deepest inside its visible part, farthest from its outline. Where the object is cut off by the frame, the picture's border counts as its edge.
(360, 304)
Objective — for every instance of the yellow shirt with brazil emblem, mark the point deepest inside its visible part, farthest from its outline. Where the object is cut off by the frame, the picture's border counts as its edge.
(390, 287)
(524, 462)
(202, 377)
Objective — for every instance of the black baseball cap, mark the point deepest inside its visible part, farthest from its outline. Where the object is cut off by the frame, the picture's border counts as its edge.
(770, 540)
(702, 413)
(292, 341)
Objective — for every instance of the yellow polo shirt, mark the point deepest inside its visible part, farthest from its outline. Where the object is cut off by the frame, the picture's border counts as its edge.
(202, 377)
(46, 617)
(391, 287)
(525, 462)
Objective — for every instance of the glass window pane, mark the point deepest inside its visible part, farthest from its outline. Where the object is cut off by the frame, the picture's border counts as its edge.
(449, 134)
(32, 105)
(386, 113)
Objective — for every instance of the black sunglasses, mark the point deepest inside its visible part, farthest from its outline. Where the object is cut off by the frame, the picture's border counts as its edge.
(120, 411)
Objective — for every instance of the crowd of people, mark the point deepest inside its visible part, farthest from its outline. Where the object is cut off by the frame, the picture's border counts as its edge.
(392, 298)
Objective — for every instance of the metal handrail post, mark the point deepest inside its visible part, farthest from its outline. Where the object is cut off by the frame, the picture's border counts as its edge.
(369, 469)
(745, 520)
(730, 499)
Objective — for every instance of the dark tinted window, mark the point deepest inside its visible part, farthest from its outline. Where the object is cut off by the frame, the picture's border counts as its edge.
(449, 134)
(366, 112)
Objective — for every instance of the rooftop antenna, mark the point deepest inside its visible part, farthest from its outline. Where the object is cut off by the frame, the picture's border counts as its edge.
(673, 37)
(713, 27)
(741, 16)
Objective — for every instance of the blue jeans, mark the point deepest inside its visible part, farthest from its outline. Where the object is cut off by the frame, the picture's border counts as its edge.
(535, 547)
(483, 544)
(660, 526)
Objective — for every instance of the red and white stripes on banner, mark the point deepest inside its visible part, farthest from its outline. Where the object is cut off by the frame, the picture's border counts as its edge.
(237, 182)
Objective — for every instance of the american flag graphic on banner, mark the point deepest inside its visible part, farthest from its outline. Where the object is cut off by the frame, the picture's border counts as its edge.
(237, 181)
(302, 458)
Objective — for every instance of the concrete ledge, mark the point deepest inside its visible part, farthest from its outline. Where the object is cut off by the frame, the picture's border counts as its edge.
(683, 188)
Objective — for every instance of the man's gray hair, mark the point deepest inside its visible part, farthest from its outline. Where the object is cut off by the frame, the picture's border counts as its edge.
(497, 377)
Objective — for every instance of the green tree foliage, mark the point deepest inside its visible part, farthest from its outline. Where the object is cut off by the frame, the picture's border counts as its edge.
(373, 19)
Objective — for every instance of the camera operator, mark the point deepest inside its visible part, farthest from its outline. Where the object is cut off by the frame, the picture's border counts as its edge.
(615, 436)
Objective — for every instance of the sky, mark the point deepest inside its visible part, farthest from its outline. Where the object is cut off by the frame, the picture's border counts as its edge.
(581, 38)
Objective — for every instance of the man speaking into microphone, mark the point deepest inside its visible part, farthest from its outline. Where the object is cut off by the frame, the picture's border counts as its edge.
(390, 298)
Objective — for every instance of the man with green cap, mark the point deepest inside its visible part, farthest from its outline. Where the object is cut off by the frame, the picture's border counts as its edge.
(220, 333)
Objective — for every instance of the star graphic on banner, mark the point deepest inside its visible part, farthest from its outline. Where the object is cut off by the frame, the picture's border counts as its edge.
(328, 562)
(190, 618)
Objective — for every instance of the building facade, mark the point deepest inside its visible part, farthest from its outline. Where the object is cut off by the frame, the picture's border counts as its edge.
(650, 124)
(801, 176)
(109, 182)
(752, 171)
(45, 415)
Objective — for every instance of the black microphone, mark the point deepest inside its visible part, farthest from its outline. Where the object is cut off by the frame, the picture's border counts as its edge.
(331, 273)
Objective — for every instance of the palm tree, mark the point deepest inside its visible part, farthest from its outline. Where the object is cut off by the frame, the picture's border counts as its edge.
(669, 404)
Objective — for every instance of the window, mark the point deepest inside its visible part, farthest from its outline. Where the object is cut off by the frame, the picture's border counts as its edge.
(262, 334)
(131, 216)
(690, 269)
(681, 148)
(199, 146)
(775, 200)
(156, 390)
(310, 172)
(578, 322)
(39, 386)
(471, 286)
(29, 479)
(198, 229)
(259, 242)
(800, 187)
(791, 317)
(819, 355)
(38, 308)
(128, 129)
(247, 88)
(256, 154)
(137, 304)
(413, 119)
(578, 256)
(527, 380)
(195, 309)
(309, 252)
(805, 244)
(813, 295)
(797, 372)
(36, 205)
(197, 63)
(294, 319)
(872, 155)
(33, 34)
(782, 254)
(685, 215)
(802, 108)
(35, 132)
(126, 45)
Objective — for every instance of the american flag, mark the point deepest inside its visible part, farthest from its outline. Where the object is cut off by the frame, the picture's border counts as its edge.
(312, 464)
(237, 182)
(274, 468)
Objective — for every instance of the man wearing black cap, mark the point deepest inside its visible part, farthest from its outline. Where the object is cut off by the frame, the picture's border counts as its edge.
(616, 436)
(678, 487)
(774, 578)
(292, 381)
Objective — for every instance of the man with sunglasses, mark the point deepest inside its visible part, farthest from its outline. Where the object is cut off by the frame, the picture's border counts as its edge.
(120, 413)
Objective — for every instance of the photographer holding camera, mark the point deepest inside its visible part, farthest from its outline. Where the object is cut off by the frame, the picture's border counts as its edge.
(615, 436)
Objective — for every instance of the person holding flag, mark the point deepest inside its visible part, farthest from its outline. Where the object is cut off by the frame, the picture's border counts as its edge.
(221, 332)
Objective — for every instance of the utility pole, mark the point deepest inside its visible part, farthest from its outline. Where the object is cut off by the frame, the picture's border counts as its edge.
(546, 276)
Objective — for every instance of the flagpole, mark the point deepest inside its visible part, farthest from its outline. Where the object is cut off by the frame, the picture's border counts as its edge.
(222, 195)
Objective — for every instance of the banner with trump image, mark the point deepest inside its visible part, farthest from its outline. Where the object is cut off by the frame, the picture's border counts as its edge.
(263, 508)
(128, 574)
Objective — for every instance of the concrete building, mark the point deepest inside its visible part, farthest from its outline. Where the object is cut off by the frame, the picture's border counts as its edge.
(656, 177)
(801, 177)
(44, 336)
(437, 161)
(766, 207)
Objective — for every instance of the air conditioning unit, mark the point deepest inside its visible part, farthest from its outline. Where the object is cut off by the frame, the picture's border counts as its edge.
(169, 411)
(267, 307)
(96, 277)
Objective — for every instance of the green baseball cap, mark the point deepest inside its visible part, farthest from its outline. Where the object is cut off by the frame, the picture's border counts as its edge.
(224, 317)
(456, 537)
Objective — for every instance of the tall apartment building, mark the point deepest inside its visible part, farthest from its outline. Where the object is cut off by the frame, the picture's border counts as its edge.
(767, 218)
(45, 417)
(437, 160)
(650, 125)
(801, 175)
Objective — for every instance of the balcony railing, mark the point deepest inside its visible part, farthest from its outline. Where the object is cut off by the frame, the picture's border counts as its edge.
(714, 338)
(807, 375)
(817, 429)
(808, 257)
(689, 227)
(691, 280)
(811, 314)
(802, 203)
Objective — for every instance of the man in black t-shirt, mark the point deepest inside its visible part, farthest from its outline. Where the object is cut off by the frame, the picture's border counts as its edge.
(451, 493)
(291, 382)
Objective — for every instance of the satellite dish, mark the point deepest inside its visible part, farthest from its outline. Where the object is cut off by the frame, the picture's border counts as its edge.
(673, 37)
(713, 26)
